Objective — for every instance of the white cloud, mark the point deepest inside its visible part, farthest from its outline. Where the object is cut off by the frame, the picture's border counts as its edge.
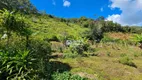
(102, 9)
(115, 18)
(131, 12)
(66, 3)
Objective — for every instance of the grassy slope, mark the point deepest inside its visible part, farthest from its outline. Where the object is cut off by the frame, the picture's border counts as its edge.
(45, 27)
(106, 65)
(102, 67)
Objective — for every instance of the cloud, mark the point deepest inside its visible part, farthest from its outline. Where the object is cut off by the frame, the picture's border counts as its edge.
(66, 3)
(131, 12)
(53, 2)
(115, 18)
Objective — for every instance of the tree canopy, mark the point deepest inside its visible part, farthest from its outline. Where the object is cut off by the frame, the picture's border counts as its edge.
(18, 5)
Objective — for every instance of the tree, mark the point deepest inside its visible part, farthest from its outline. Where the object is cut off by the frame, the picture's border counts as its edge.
(96, 32)
(109, 26)
(14, 23)
(101, 18)
(8, 22)
(18, 5)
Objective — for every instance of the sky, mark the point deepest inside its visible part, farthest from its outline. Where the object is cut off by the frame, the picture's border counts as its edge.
(124, 12)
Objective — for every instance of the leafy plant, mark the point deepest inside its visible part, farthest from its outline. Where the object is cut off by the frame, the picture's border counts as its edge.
(137, 38)
(16, 65)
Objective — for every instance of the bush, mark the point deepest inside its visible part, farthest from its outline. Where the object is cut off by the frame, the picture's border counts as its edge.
(127, 61)
(66, 76)
(79, 46)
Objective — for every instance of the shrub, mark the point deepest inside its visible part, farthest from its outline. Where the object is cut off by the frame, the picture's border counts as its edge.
(66, 76)
(79, 46)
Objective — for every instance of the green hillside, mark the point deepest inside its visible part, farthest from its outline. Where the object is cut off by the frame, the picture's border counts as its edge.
(46, 27)
(39, 46)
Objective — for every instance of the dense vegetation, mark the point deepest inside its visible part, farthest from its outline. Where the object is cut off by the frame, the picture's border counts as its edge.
(36, 46)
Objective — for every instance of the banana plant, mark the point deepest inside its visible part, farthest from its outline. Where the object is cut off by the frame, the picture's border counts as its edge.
(138, 39)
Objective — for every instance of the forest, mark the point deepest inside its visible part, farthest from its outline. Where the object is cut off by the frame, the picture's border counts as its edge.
(39, 46)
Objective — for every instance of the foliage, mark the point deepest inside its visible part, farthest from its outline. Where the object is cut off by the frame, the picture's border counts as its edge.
(66, 76)
(79, 46)
(16, 65)
(8, 21)
(11, 22)
(109, 26)
(53, 30)
(137, 38)
(23, 6)
(69, 54)
(96, 34)
(41, 49)
(36, 30)
(32, 64)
